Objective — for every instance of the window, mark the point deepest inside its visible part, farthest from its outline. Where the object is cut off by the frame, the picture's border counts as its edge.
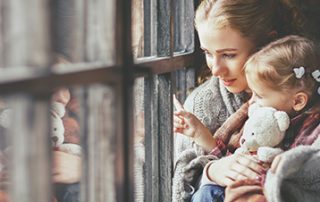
(120, 92)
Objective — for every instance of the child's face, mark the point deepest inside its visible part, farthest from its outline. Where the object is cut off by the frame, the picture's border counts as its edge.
(226, 52)
(265, 96)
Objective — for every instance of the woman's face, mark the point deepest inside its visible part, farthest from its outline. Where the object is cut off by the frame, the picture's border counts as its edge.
(226, 52)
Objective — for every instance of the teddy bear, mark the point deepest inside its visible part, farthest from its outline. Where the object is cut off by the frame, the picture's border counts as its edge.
(57, 111)
(65, 131)
(263, 131)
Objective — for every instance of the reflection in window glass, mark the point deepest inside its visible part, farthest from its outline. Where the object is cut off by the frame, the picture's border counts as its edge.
(183, 26)
(24, 148)
(65, 136)
(100, 120)
(83, 31)
(89, 140)
(5, 124)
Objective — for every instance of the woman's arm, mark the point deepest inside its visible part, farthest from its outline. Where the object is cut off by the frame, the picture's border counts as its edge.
(227, 170)
(188, 124)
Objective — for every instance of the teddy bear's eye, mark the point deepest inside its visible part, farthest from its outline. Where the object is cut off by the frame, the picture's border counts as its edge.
(252, 134)
(55, 129)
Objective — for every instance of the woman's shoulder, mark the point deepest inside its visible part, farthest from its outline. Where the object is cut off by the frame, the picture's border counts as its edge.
(205, 92)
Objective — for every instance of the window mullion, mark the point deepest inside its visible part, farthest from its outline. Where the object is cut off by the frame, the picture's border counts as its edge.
(124, 138)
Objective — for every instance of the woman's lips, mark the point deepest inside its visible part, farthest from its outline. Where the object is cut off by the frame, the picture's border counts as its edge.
(228, 82)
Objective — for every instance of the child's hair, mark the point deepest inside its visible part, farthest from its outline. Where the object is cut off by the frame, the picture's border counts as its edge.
(254, 19)
(275, 65)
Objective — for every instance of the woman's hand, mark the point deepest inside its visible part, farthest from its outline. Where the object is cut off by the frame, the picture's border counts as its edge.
(66, 168)
(235, 167)
(188, 124)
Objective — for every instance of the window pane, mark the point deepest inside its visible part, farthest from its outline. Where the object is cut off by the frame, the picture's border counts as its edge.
(24, 38)
(137, 28)
(84, 31)
(144, 28)
(25, 169)
(65, 139)
(151, 27)
(100, 157)
(184, 83)
(183, 26)
(139, 139)
(89, 123)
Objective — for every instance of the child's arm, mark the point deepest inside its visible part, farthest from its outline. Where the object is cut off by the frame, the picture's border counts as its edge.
(188, 124)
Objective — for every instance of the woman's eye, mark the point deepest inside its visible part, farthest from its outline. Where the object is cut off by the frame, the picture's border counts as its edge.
(229, 56)
(207, 54)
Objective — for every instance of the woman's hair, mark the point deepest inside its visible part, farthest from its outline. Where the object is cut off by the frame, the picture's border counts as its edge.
(254, 19)
(275, 65)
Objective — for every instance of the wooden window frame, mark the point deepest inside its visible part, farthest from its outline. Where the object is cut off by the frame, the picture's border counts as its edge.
(158, 95)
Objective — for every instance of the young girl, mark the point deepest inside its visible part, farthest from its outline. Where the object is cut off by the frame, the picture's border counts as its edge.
(285, 75)
(229, 32)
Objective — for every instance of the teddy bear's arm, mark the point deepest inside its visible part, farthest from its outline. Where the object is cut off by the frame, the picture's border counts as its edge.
(267, 154)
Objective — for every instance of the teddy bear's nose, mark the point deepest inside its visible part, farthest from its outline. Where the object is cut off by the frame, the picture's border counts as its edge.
(242, 141)
(54, 139)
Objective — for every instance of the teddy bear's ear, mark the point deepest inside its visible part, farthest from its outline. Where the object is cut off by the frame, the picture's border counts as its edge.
(253, 108)
(282, 119)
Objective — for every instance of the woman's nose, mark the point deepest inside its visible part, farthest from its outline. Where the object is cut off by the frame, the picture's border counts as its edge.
(217, 68)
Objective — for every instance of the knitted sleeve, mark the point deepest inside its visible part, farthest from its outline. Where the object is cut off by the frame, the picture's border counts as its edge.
(212, 104)
(297, 177)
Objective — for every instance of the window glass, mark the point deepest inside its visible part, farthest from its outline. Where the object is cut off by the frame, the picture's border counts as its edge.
(25, 148)
(183, 26)
(89, 125)
(137, 28)
(83, 32)
(139, 139)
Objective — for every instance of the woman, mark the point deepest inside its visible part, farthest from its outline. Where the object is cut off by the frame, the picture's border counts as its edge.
(229, 32)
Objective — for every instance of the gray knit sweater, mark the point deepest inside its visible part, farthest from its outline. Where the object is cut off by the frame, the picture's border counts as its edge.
(212, 104)
(297, 177)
